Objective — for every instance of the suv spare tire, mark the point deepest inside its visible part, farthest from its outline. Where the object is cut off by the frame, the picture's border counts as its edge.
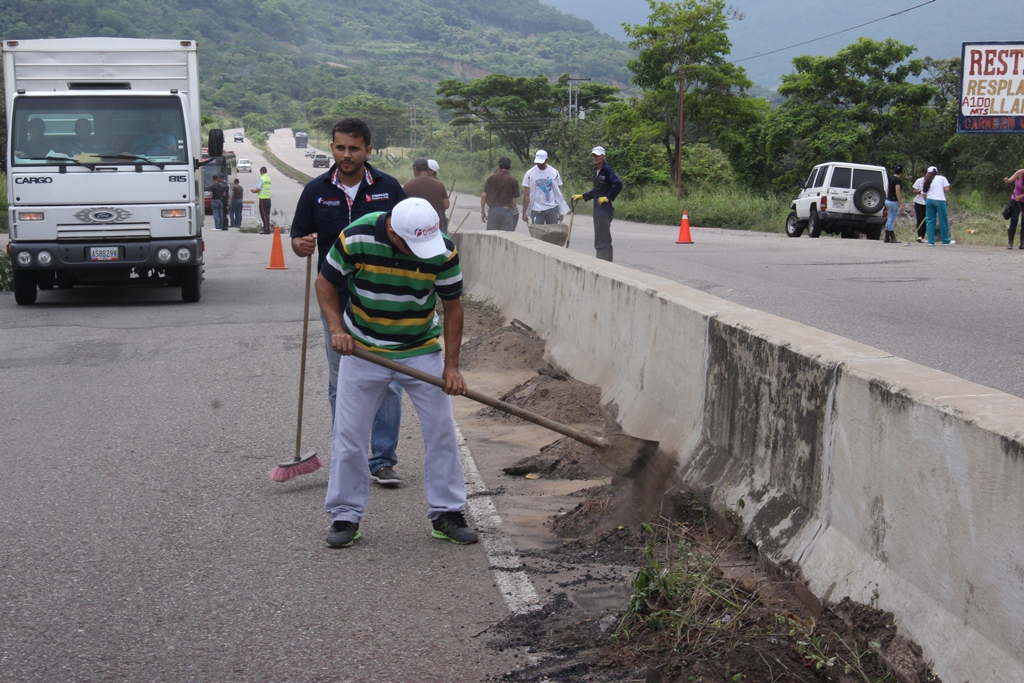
(869, 198)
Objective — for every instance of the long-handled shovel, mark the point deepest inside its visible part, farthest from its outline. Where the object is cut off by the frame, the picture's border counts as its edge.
(459, 225)
(300, 464)
(621, 453)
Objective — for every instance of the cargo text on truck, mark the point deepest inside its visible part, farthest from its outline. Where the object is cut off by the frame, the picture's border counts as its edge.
(103, 175)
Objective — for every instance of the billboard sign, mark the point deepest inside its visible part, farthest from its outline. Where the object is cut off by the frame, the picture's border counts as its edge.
(991, 88)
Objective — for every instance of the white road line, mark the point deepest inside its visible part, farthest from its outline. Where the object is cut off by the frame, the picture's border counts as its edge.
(513, 583)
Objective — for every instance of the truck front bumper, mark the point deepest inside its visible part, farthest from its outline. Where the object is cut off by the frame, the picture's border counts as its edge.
(164, 253)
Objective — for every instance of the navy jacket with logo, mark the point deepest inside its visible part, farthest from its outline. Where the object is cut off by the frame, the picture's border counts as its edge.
(323, 207)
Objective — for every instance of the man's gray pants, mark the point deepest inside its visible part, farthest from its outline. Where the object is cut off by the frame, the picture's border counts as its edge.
(361, 387)
(501, 218)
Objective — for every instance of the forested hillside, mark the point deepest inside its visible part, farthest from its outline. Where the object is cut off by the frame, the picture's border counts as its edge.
(272, 56)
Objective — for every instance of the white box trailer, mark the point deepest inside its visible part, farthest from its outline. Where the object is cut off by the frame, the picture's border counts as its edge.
(104, 147)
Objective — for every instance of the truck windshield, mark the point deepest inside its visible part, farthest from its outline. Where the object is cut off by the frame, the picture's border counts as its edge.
(69, 130)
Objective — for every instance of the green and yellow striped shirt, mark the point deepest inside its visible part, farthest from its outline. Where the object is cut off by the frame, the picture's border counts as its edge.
(392, 295)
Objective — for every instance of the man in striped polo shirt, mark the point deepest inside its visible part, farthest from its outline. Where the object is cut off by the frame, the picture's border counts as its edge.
(395, 265)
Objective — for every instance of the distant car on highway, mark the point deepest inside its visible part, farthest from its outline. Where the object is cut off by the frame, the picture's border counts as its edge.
(320, 161)
(239, 137)
(244, 166)
(310, 152)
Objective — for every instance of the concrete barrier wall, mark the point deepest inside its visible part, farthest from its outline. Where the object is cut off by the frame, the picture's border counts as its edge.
(892, 483)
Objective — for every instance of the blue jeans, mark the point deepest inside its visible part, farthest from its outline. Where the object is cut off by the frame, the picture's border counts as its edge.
(936, 210)
(236, 213)
(894, 209)
(386, 421)
(500, 218)
(545, 217)
(217, 207)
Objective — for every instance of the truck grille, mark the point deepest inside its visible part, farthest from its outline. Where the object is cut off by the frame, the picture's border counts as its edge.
(119, 231)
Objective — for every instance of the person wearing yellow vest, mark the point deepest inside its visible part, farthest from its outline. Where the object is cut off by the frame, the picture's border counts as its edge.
(262, 190)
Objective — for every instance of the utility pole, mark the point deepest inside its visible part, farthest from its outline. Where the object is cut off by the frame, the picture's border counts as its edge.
(574, 97)
(412, 127)
(679, 140)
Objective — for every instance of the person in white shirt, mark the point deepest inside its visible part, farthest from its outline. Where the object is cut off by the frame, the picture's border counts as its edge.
(919, 209)
(935, 188)
(542, 196)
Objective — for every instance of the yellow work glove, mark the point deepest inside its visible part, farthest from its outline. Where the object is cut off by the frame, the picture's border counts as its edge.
(602, 200)
(577, 197)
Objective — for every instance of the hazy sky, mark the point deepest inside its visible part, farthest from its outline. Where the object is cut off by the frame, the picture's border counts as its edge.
(937, 29)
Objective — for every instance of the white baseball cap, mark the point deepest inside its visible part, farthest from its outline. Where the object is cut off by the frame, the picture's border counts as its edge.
(932, 169)
(433, 166)
(541, 157)
(598, 151)
(416, 222)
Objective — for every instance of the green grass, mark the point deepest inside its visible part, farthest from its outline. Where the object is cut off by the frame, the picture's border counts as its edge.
(731, 208)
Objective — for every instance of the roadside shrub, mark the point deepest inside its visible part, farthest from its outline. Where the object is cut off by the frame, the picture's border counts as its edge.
(5, 272)
(705, 168)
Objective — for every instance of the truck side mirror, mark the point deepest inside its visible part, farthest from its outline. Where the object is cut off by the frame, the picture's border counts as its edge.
(215, 144)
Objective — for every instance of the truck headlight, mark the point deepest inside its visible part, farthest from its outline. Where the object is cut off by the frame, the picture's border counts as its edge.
(163, 255)
(184, 254)
(30, 215)
(172, 213)
(25, 258)
(44, 258)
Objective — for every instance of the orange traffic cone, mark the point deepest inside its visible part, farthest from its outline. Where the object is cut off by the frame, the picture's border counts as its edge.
(684, 230)
(276, 252)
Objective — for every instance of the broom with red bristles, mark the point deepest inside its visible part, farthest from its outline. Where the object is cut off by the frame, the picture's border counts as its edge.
(300, 464)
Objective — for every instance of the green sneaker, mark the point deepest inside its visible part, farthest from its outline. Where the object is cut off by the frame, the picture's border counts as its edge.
(342, 534)
(451, 526)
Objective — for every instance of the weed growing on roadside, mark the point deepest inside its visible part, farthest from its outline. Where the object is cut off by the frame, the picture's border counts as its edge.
(680, 595)
(6, 283)
(816, 650)
(685, 612)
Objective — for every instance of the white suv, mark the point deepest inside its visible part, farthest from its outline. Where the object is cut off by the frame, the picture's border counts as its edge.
(840, 198)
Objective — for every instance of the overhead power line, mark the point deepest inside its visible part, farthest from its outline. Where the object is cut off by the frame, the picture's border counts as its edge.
(845, 30)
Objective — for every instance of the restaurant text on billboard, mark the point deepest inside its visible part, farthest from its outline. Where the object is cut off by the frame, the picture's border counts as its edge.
(991, 88)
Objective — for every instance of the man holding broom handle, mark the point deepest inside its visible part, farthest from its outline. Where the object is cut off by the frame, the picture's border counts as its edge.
(350, 189)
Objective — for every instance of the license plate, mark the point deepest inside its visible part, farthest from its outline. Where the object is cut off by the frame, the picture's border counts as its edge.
(103, 254)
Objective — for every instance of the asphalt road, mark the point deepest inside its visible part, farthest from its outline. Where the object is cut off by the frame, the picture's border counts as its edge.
(957, 308)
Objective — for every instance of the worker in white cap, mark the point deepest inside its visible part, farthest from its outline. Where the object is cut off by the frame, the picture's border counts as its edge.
(390, 312)
(433, 167)
(543, 202)
(607, 187)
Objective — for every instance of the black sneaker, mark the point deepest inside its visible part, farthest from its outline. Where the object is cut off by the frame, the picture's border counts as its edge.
(386, 476)
(451, 526)
(342, 534)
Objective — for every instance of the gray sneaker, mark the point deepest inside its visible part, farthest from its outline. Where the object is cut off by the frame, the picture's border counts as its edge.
(386, 476)
(343, 534)
(451, 526)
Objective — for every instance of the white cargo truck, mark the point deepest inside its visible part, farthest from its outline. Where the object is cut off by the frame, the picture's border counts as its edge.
(104, 149)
